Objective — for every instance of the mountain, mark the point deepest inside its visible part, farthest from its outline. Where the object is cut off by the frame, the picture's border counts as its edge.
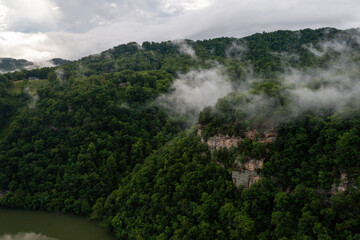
(227, 138)
(11, 64)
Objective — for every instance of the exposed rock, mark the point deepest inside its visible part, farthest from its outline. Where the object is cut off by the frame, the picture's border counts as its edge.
(243, 174)
(269, 136)
(220, 141)
(252, 134)
(246, 174)
(342, 186)
(253, 164)
(52, 128)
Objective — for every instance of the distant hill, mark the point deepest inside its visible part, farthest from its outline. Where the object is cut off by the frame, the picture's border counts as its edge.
(12, 64)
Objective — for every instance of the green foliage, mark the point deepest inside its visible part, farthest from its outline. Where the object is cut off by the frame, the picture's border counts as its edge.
(82, 138)
(97, 145)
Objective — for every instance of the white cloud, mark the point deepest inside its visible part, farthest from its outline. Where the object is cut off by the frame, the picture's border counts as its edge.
(23, 14)
(185, 48)
(3, 13)
(90, 26)
(25, 236)
(111, 5)
(195, 90)
(172, 6)
(35, 47)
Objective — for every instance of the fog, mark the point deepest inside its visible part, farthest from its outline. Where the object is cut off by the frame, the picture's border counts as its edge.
(195, 90)
(328, 88)
(25, 236)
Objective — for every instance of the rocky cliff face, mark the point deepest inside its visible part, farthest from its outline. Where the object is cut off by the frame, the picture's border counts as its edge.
(342, 186)
(219, 141)
(246, 174)
(243, 174)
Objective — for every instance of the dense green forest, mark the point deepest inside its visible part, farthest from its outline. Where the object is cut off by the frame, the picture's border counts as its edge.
(93, 139)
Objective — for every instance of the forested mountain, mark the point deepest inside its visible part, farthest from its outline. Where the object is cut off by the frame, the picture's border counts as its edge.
(154, 140)
(11, 64)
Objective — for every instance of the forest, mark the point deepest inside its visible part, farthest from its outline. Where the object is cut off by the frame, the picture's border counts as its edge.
(101, 138)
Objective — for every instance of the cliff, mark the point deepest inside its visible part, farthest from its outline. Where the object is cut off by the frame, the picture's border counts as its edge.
(244, 173)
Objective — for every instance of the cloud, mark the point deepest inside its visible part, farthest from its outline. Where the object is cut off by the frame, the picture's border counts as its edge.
(322, 90)
(195, 90)
(321, 49)
(25, 236)
(185, 48)
(24, 15)
(327, 89)
(91, 26)
(35, 47)
(3, 13)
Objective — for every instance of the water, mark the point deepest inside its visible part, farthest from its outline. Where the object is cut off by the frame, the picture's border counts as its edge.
(36, 225)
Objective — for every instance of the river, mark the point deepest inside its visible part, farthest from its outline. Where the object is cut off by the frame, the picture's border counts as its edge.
(38, 225)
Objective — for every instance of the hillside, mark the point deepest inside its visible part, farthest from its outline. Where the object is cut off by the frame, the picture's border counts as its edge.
(251, 138)
(11, 64)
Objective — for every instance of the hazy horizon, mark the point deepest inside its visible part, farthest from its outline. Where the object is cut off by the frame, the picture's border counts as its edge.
(46, 29)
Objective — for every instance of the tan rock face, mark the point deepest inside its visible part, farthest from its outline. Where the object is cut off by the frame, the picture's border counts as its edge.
(251, 134)
(252, 180)
(271, 135)
(243, 174)
(220, 141)
(268, 136)
(342, 186)
(253, 164)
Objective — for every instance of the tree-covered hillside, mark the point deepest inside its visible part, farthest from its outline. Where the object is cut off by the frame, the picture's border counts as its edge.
(104, 137)
(12, 64)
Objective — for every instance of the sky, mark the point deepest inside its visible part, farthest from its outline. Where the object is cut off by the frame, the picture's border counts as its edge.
(38, 30)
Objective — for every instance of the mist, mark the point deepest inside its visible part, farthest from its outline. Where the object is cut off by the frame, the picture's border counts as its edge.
(60, 75)
(193, 91)
(185, 48)
(323, 88)
(326, 89)
(25, 236)
(34, 97)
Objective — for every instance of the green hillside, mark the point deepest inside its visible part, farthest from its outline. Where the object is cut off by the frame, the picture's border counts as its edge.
(112, 137)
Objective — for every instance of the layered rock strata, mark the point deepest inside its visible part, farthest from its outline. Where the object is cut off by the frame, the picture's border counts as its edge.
(243, 174)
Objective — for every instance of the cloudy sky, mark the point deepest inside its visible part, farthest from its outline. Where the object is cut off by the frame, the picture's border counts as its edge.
(42, 29)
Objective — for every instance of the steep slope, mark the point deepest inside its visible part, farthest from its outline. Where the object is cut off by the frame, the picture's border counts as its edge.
(99, 142)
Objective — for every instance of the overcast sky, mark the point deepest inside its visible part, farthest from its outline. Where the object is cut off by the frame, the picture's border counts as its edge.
(38, 30)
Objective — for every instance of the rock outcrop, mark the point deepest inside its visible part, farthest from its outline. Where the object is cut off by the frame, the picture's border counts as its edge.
(342, 186)
(243, 174)
(246, 174)
(220, 141)
(267, 136)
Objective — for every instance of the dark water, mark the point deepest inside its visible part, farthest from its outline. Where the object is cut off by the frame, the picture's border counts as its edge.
(34, 225)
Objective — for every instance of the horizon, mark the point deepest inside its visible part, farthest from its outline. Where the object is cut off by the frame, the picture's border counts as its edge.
(43, 61)
(46, 29)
